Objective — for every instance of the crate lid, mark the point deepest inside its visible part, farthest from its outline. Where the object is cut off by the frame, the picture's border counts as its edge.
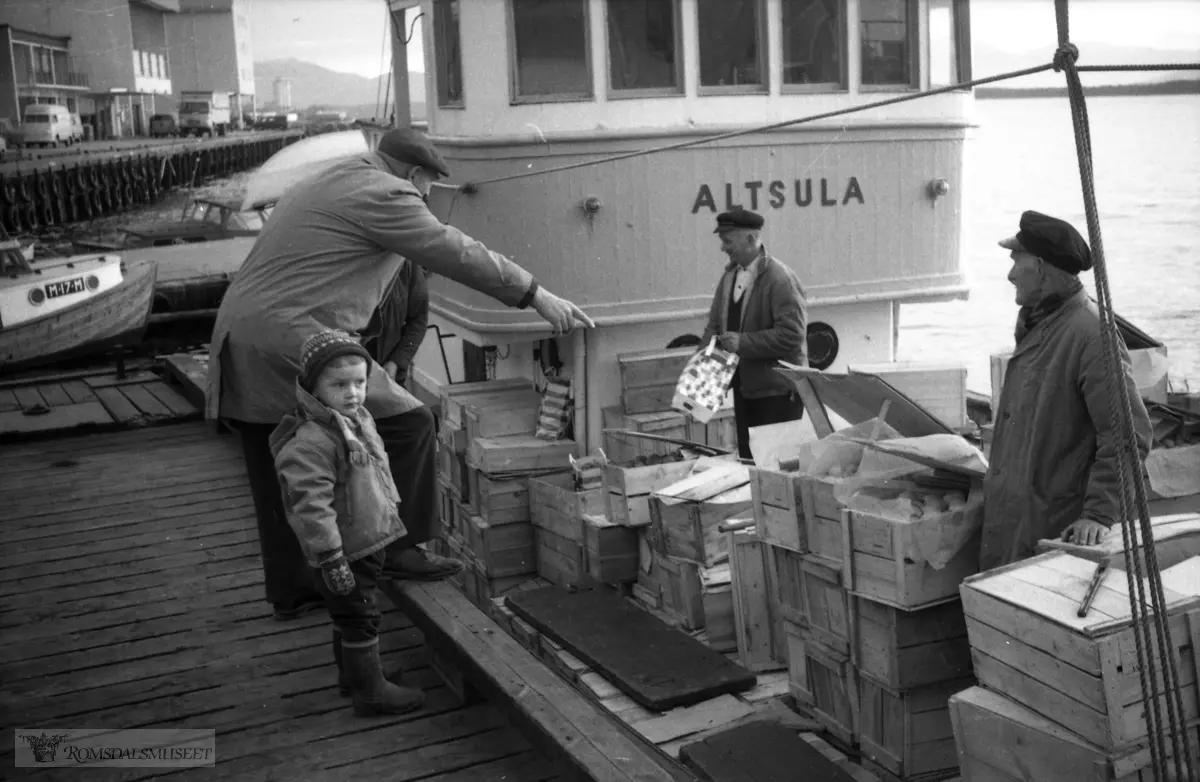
(1052, 586)
(859, 397)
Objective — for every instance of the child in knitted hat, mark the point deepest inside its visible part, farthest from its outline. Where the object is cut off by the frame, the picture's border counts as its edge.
(342, 503)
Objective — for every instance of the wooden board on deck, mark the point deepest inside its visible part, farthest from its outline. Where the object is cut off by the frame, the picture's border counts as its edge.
(58, 418)
(762, 751)
(559, 718)
(653, 663)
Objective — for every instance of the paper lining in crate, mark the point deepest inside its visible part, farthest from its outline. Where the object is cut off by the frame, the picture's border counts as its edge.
(1080, 672)
(1000, 740)
(908, 732)
(687, 515)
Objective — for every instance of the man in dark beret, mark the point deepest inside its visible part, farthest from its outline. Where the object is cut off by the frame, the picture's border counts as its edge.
(1053, 466)
(758, 312)
(324, 260)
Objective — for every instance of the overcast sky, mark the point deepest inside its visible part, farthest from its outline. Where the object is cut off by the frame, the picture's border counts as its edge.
(349, 35)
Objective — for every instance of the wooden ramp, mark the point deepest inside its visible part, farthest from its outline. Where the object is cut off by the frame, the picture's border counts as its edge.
(131, 596)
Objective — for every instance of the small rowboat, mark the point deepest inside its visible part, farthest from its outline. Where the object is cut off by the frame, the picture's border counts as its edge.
(50, 311)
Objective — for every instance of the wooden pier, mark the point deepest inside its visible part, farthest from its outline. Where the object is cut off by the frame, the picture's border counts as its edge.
(132, 597)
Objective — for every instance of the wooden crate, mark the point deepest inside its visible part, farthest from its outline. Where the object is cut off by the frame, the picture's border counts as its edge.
(1000, 740)
(905, 649)
(500, 501)
(788, 584)
(1028, 643)
(826, 604)
(455, 396)
(690, 530)
(512, 412)
(503, 550)
(611, 550)
(719, 432)
(470, 578)
(629, 488)
(778, 508)
(649, 377)
(753, 615)
(622, 448)
(908, 732)
(822, 518)
(561, 560)
(519, 453)
(939, 388)
(554, 505)
(447, 498)
(492, 587)
(692, 595)
(880, 570)
(833, 682)
(795, 642)
(454, 550)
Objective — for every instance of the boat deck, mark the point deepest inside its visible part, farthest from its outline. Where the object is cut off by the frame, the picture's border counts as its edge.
(131, 596)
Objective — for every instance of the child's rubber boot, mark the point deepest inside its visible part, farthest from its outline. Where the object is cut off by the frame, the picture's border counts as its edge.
(396, 676)
(374, 695)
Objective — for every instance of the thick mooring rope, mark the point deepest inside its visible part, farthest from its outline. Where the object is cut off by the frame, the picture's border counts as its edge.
(1138, 574)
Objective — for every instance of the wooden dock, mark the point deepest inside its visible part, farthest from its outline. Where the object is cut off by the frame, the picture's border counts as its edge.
(131, 596)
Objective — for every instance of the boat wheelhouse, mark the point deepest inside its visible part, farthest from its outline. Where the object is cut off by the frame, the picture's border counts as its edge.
(866, 207)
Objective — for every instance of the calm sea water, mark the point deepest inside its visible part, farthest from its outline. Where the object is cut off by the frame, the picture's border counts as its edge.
(1022, 156)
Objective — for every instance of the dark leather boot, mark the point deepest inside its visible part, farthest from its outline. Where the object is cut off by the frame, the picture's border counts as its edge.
(373, 694)
(416, 564)
(395, 676)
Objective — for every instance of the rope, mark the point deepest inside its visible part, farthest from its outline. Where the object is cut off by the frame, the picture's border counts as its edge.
(1191, 66)
(471, 187)
(1128, 463)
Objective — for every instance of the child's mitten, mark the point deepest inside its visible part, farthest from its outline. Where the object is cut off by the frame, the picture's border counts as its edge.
(337, 575)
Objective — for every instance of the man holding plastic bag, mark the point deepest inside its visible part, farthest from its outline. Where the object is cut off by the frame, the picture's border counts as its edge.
(759, 315)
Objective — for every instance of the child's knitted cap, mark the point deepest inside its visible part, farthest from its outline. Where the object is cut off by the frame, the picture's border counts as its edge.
(323, 347)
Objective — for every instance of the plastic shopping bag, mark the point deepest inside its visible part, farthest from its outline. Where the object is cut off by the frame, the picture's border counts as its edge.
(704, 382)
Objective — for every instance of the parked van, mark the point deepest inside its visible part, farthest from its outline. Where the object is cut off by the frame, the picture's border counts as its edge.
(50, 125)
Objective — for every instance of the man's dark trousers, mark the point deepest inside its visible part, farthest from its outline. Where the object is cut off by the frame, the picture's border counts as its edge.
(760, 412)
(410, 442)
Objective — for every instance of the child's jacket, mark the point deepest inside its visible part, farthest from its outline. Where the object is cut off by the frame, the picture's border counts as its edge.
(336, 481)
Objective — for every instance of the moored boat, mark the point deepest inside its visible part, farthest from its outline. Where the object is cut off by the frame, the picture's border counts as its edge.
(70, 307)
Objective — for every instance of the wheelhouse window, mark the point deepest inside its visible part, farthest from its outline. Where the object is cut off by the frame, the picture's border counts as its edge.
(643, 46)
(732, 48)
(889, 35)
(448, 53)
(949, 43)
(814, 35)
(550, 43)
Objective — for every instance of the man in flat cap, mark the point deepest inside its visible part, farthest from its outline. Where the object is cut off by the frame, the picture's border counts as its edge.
(324, 261)
(1053, 469)
(759, 313)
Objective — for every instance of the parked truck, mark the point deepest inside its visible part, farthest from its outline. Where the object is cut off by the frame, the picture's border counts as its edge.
(203, 113)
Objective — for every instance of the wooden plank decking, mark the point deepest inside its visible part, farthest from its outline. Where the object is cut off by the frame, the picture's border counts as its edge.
(131, 596)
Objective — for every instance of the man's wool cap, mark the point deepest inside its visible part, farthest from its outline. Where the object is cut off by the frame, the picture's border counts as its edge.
(323, 347)
(1054, 241)
(409, 146)
(738, 218)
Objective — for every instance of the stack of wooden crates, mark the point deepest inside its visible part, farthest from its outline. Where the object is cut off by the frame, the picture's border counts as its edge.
(487, 453)
(876, 644)
(1060, 695)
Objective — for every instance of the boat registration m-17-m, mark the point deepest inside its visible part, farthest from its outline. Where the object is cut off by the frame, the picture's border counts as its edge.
(64, 287)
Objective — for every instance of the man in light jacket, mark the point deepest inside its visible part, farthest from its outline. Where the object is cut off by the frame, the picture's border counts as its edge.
(1053, 469)
(759, 313)
(323, 261)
